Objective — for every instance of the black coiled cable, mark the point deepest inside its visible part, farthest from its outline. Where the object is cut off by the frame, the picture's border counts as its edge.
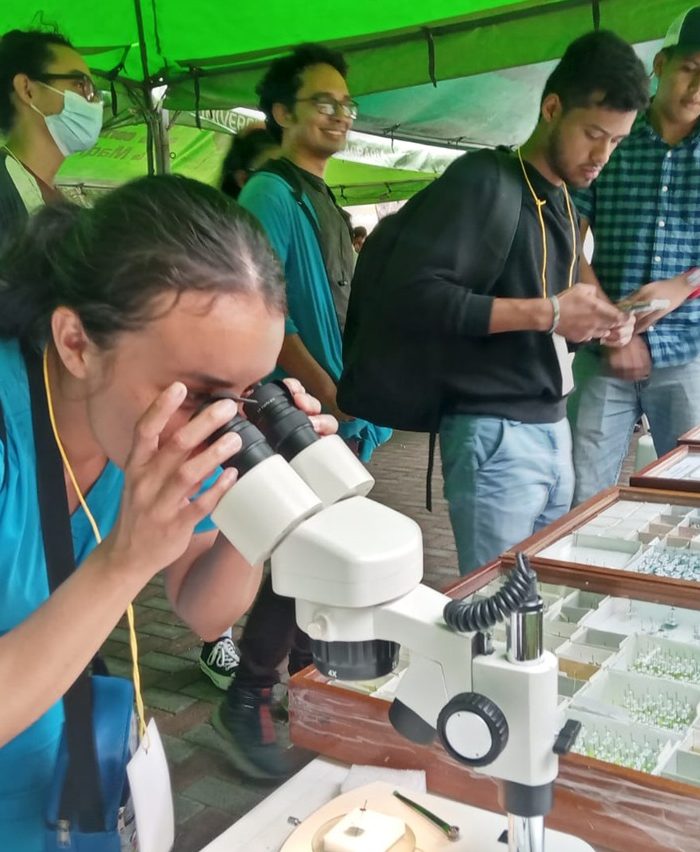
(520, 586)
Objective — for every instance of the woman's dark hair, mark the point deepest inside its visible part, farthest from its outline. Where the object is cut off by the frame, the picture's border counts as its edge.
(153, 236)
(283, 79)
(600, 69)
(23, 52)
(246, 147)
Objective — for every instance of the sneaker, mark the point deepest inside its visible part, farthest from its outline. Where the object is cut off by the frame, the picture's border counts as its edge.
(219, 661)
(245, 723)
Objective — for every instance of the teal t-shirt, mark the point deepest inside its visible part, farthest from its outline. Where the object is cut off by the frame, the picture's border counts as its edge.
(311, 310)
(27, 762)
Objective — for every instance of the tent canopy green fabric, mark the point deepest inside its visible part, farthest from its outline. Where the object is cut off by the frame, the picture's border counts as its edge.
(211, 54)
(464, 72)
(367, 172)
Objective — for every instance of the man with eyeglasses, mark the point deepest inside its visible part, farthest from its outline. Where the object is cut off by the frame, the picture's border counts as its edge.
(308, 109)
(49, 109)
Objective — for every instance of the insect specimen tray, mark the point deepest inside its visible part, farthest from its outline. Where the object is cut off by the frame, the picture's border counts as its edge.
(628, 670)
(637, 542)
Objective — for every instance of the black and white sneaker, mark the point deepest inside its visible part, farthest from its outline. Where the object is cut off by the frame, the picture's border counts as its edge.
(219, 661)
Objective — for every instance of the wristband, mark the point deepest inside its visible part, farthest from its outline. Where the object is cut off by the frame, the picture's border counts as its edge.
(556, 314)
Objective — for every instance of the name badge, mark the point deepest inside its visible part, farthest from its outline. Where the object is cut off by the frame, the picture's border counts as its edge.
(565, 359)
(151, 794)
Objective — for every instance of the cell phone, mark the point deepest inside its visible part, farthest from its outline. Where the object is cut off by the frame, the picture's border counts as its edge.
(644, 307)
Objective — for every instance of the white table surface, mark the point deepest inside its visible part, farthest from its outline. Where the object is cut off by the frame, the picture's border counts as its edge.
(266, 827)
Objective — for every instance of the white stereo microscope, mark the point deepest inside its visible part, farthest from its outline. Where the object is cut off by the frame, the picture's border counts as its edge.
(354, 568)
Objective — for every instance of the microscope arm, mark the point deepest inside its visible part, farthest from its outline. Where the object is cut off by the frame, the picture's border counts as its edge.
(354, 568)
(504, 715)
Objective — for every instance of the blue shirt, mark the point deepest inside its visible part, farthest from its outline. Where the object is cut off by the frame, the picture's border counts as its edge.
(644, 210)
(27, 762)
(311, 310)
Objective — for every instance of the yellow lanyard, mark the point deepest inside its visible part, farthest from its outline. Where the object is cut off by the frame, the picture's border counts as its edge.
(98, 538)
(539, 204)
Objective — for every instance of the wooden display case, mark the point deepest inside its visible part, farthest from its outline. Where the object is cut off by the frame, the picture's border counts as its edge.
(692, 437)
(678, 470)
(609, 543)
(616, 809)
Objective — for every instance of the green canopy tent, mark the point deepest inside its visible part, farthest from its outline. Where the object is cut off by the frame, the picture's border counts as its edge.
(463, 72)
(368, 171)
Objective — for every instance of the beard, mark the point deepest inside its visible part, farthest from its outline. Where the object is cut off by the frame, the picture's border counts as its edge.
(557, 161)
(555, 154)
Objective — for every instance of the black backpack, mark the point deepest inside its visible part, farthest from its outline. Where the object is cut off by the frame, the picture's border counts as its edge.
(393, 376)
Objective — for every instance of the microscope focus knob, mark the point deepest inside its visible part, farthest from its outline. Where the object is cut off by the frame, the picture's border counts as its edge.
(473, 729)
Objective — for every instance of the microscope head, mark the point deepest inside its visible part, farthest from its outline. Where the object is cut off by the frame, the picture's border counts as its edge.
(299, 501)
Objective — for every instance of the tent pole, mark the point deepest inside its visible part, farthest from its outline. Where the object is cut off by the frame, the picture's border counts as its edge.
(161, 141)
(149, 143)
(153, 148)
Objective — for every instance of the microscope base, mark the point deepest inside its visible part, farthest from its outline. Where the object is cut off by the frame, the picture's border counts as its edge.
(479, 830)
(316, 787)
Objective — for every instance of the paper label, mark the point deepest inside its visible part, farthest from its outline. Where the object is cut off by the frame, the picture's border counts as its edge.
(565, 359)
(149, 780)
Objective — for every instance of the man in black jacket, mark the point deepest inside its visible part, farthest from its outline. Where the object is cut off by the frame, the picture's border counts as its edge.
(504, 438)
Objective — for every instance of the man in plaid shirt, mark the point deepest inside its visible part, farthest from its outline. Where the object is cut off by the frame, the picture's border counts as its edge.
(644, 212)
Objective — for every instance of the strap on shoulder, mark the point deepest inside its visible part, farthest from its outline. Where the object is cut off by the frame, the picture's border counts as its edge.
(284, 169)
(82, 794)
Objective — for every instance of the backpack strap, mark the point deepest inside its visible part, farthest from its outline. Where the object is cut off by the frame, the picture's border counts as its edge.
(509, 203)
(429, 472)
(82, 795)
(504, 223)
(284, 169)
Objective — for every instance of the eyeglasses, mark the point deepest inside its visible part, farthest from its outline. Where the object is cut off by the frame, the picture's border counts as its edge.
(328, 105)
(82, 82)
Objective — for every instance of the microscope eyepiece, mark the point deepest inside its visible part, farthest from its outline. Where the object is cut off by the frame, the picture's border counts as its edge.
(287, 429)
(254, 450)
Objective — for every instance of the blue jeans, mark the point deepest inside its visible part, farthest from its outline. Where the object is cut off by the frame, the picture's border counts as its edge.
(604, 409)
(503, 481)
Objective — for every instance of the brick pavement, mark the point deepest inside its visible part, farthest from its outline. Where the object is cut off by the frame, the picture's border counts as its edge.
(209, 794)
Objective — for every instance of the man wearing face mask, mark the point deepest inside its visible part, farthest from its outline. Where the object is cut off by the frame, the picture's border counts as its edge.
(49, 109)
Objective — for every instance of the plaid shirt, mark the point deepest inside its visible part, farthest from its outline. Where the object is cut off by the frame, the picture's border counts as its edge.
(644, 211)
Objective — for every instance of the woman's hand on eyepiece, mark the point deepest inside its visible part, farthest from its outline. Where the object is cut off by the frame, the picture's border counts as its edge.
(159, 510)
(324, 424)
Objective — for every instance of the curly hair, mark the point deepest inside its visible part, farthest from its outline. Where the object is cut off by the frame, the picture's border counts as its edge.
(283, 79)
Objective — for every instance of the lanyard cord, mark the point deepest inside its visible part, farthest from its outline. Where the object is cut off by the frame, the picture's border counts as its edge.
(539, 204)
(98, 538)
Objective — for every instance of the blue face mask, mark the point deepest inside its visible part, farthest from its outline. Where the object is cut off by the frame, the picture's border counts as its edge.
(77, 126)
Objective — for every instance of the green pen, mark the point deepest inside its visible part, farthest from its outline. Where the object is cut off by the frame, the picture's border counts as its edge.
(452, 831)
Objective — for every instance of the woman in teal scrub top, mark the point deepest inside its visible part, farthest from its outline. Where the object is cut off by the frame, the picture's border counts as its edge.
(162, 295)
